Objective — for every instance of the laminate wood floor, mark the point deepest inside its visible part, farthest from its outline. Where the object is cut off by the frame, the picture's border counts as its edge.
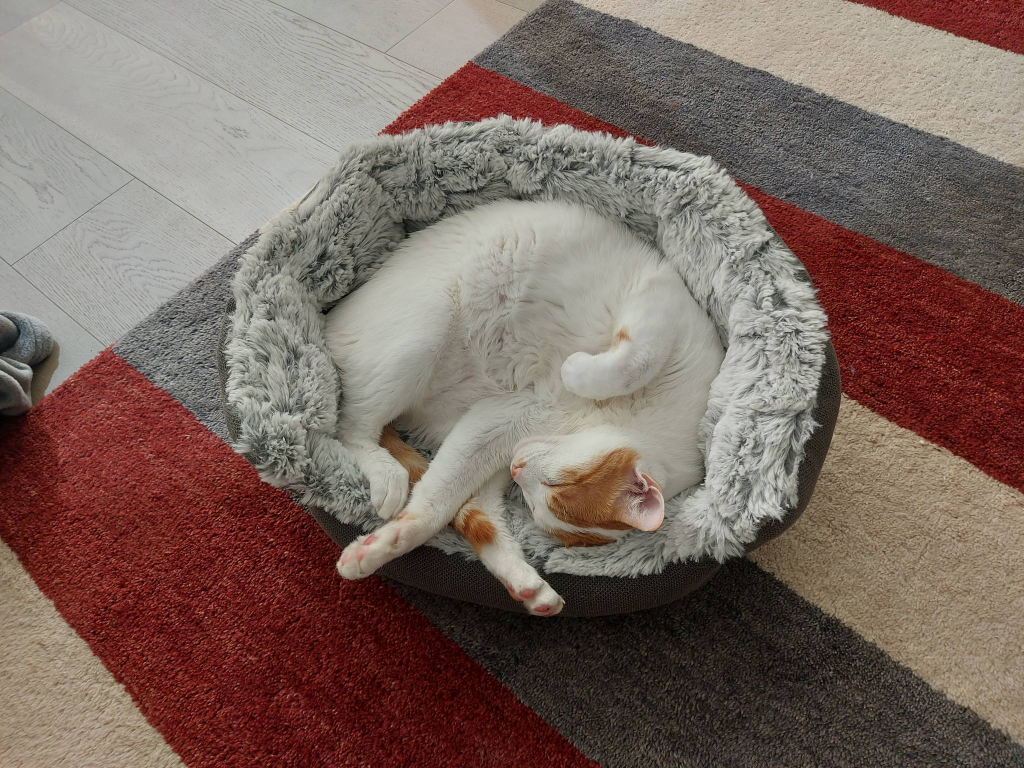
(140, 139)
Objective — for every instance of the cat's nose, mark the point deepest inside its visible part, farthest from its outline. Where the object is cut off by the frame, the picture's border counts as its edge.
(517, 469)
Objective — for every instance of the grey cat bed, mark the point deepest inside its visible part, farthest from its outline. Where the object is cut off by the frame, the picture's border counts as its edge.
(771, 411)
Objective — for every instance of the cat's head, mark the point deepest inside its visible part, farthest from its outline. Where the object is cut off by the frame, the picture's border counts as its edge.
(588, 487)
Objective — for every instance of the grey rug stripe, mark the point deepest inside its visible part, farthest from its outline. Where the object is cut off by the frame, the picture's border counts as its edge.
(714, 679)
(925, 195)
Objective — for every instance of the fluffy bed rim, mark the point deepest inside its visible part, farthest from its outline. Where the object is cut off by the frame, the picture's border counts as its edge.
(283, 390)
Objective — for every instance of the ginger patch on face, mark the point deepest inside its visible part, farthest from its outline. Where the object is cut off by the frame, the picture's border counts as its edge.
(589, 497)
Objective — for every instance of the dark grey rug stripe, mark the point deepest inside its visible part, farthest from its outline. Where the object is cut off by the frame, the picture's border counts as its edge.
(922, 194)
(742, 673)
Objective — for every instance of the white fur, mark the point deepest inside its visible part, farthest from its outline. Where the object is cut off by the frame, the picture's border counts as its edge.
(493, 334)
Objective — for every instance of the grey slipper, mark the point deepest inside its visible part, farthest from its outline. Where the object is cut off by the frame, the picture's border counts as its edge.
(8, 333)
(32, 341)
(15, 384)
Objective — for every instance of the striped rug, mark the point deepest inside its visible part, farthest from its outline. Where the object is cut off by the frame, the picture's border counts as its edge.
(163, 607)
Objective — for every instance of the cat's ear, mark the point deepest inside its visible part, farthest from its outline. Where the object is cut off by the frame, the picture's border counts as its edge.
(642, 504)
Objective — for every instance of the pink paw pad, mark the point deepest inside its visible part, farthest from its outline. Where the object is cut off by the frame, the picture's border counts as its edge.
(512, 592)
(543, 609)
(370, 539)
(528, 593)
(346, 557)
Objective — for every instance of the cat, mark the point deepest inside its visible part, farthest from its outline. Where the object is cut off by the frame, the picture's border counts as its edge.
(533, 342)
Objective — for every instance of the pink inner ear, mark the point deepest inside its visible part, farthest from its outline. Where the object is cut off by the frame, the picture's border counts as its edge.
(645, 507)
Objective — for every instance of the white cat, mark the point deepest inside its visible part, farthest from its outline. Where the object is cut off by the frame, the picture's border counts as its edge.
(533, 339)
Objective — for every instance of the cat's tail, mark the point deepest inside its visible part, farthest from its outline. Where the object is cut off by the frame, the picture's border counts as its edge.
(644, 337)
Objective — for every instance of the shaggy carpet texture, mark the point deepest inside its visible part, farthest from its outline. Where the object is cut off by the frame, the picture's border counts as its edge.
(163, 606)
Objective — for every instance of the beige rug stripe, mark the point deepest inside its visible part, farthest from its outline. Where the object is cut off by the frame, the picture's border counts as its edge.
(927, 78)
(59, 705)
(920, 553)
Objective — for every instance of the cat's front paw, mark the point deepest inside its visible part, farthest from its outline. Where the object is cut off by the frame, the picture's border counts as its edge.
(537, 597)
(368, 553)
(389, 486)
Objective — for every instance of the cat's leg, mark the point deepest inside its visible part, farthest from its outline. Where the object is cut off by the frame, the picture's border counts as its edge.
(482, 521)
(644, 336)
(385, 370)
(479, 446)
(414, 462)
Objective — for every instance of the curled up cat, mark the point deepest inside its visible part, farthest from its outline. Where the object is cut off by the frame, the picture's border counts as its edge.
(531, 342)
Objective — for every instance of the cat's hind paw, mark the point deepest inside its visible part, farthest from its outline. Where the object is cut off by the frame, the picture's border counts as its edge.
(540, 600)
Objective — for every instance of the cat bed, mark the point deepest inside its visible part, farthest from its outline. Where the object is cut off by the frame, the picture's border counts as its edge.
(771, 410)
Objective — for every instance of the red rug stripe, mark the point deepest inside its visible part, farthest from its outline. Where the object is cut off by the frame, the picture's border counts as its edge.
(918, 345)
(474, 93)
(999, 23)
(213, 599)
(925, 349)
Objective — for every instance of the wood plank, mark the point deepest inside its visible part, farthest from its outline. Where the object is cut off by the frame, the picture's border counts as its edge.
(16, 12)
(75, 346)
(228, 163)
(122, 259)
(379, 24)
(327, 85)
(524, 5)
(48, 178)
(455, 35)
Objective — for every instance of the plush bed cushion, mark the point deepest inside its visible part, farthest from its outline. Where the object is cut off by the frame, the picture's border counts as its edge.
(283, 391)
